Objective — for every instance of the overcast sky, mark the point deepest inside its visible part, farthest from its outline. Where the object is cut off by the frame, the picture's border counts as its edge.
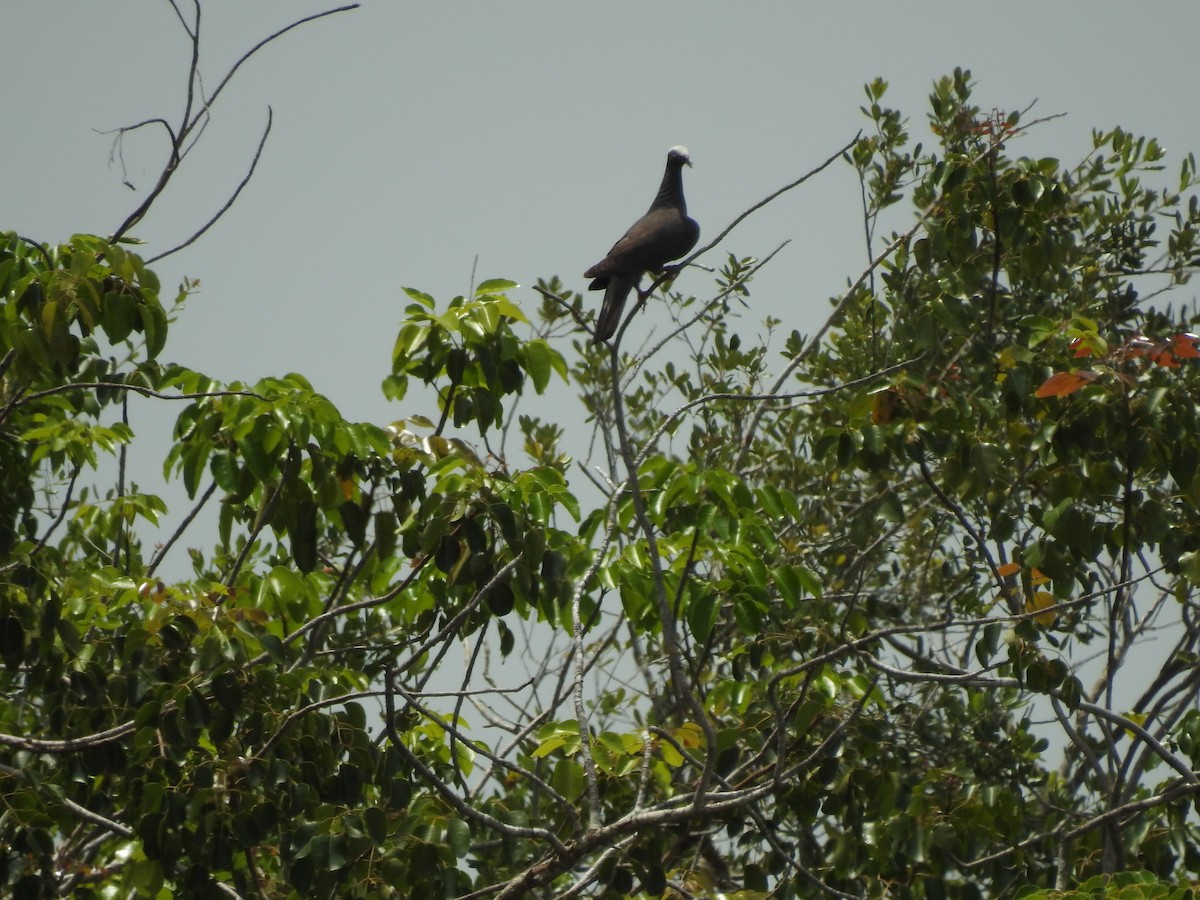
(410, 139)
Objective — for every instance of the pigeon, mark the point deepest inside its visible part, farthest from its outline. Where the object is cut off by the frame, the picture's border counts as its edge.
(664, 233)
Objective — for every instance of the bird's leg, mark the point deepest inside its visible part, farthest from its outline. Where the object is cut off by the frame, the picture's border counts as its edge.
(663, 276)
(643, 296)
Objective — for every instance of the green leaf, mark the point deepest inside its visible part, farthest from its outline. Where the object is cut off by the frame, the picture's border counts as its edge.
(495, 286)
(748, 614)
(303, 534)
(702, 615)
(808, 580)
(258, 460)
(538, 363)
(154, 323)
(395, 387)
(412, 337)
(458, 836)
(376, 824)
(120, 312)
(274, 648)
(986, 458)
(501, 600)
(354, 520)
(421, 297)
(225, 472)
(1050, 520)
(12, 641)
(555, 736)
(284, 584)
(506, 307)
(327, 851)
(989, 643)
(1189, 567)
(569, 780)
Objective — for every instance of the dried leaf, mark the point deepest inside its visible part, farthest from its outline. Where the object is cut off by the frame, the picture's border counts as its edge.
(884, 406)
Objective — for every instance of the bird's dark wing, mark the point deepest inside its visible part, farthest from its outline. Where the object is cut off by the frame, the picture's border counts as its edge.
(655, 239)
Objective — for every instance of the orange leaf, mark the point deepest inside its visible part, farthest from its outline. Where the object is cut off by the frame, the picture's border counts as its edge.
(1037, 576)
(1165, 357)
(1062, 383)
(1007, 569)
(1184, 346)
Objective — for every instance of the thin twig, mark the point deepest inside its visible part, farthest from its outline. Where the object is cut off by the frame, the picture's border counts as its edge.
(137, 389)
(62, 512)
(188, 519)
(767, 199)
(191, 120)
(228, 203)
(807, 349)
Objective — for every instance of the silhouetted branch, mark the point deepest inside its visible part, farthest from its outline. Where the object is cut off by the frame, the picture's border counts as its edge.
(188, 519)
(767, 199)
(228, 203)
(183, 137)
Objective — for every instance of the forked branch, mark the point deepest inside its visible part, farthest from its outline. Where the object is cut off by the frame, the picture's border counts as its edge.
(183, 136)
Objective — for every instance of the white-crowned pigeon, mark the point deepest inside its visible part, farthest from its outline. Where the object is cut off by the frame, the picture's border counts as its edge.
(664, 233)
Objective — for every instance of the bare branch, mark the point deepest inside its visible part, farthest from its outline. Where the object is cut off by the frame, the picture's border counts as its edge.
(228, 203)
(253, 50)
(767, 199)
(190, 120)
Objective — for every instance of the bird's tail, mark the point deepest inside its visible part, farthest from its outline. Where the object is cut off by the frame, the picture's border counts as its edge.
(615, 296)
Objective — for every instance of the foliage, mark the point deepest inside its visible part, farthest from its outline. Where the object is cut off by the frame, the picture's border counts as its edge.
(1125, 885)
(904, 608)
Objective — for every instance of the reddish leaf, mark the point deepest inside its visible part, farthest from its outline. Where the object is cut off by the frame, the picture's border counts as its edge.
(1184, 346)
(1062, 383)
(1164, 357)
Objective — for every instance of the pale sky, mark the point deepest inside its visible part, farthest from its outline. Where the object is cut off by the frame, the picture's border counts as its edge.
(410, 138)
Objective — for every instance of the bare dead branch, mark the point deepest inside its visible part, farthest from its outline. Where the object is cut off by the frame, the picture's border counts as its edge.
(228, 203)
(190, 121)
(834, 157)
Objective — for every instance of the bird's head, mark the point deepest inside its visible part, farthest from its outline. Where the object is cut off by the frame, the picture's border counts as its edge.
(679, 156)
